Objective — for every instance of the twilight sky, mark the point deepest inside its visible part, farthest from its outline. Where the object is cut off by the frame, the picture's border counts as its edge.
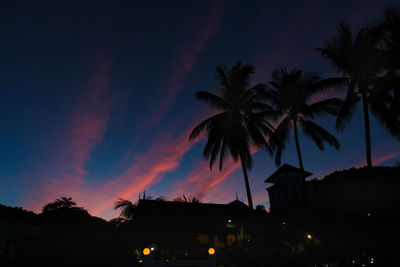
(96, 98)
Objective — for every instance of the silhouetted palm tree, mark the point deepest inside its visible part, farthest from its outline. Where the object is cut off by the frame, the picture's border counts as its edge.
(187, 199)
(359, 58)
(391, 27)
(289, 94)
(149, 197)
(127, 207)
(391, 94)
(239, 122)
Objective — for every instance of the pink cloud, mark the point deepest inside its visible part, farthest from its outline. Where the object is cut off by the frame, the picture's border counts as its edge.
(204, 184)
(380, 158)
(185, 63)
(63, 168)
(383, 153)
(201, 179)
(163, 156)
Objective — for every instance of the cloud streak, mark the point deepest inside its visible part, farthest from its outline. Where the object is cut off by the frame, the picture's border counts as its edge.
(64, 167)
(188, 59)
(162, 157)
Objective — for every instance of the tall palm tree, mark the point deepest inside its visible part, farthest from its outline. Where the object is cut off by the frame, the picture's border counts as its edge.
(391, 27)
(391, 91)
(357, 57)
(240, 120)
(290, 93)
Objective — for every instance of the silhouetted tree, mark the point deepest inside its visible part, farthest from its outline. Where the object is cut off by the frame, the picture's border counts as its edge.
(289, 94)
(63, 202)
(149, 197)
(117, 221)
(391, 27)
(388, 111)
(127, 207)
(239, 122)
(188, 199)
(360, 58)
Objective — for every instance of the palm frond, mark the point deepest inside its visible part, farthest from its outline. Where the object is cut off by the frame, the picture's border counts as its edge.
(339, 49)
(383, 112)
(206, 123)
(334, 83)
(318, 134)
(223, 154)
(187, 199)
(347, 109)
(279, 138)
(127, 208)
(329, 106)
(213, 101)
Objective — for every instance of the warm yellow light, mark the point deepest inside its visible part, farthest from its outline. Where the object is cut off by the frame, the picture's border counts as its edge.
(309, 236)
(146, 251)
(211, 251)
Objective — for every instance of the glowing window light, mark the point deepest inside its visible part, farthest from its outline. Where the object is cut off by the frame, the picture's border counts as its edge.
(211, 251)
(146, 251)
(309, 236)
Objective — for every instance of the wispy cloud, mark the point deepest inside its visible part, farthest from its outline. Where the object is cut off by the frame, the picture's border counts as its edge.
(63, 168)
(185, 63)
(383, 153)
(201, 179)
(163, 156)
(203, 183)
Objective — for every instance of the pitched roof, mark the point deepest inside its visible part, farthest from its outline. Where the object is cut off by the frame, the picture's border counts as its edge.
(172, 208)
(285, 169)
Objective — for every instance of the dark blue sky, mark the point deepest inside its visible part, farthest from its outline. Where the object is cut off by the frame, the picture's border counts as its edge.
(96, 98)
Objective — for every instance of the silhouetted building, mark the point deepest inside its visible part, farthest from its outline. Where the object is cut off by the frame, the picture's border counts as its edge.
(184, 230)
(290, 191)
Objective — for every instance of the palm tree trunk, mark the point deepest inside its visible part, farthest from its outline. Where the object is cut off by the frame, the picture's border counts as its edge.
(296, 139)
(246, 181)
(303, 180)
(367, 128)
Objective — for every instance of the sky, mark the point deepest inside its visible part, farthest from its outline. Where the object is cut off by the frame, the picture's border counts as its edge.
(97, 97)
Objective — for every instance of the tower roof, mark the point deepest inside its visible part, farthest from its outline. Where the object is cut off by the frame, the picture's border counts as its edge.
(286, 168)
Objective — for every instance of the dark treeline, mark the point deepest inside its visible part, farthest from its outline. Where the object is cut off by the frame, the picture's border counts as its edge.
(354, 217)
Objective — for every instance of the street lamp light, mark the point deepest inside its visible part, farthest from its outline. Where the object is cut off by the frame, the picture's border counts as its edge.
(211, 251)
(146, 251)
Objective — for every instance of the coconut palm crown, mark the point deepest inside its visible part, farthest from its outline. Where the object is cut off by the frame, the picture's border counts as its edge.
(239, 122)
(361, 59)
(290, 93)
